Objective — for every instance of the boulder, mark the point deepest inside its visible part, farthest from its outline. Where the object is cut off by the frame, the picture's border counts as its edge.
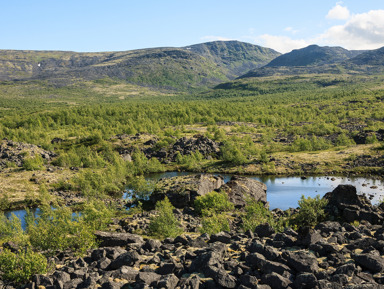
(276, 281)
(126, 259)
(183, 190)
(239, 189)
(301, 261)
(109, 239)
(344, 203)
(371, 262)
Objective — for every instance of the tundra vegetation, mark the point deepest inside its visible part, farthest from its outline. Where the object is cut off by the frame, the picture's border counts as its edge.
(307, 124)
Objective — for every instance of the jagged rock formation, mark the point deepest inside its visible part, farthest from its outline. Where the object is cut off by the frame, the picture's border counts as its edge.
(182, 191)
(184, 146)
(345, 204)
(240, 188)
(16, 152)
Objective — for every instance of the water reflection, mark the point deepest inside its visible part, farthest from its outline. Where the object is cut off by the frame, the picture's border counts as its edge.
(284, 192)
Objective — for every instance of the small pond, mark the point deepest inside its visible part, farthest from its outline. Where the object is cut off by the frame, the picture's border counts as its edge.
(284, 192)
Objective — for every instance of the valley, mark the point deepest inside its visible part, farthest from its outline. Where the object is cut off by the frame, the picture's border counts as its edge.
(78, 129)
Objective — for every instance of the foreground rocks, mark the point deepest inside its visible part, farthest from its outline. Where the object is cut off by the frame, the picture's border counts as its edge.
(337, 259)
(334, 254)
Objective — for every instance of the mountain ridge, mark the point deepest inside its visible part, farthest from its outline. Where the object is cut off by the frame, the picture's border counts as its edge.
(196, 66)
(314, 59)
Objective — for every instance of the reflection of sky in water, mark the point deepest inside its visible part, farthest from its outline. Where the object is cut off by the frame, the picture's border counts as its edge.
(284, 192)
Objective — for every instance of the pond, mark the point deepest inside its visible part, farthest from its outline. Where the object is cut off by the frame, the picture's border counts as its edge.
(284, 192)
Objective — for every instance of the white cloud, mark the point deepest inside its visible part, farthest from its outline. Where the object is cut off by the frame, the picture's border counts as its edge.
(338, 12)
(283, 44)
(361, 31)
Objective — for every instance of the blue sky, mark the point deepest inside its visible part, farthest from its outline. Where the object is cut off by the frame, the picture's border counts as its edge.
(116, 25)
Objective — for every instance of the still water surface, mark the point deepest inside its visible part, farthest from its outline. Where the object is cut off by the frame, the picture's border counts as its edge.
(284, 192)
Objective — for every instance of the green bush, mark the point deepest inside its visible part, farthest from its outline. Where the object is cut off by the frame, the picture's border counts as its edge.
(233, 153)
(20, 267)
(58, 229)
(4, 201)
(97, 215)
(371, 139)
(255, 214)
(165, 223)
(344, 140)
(33, 163)
(311, 211)
(11, 230)
(215, 202)
(213, 223)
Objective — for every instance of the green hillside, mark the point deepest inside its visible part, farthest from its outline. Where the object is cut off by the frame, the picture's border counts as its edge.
(194, 67)
(322, 60)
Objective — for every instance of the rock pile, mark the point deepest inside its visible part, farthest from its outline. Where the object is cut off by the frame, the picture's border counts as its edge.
(337, 256)
(344, 204)
(200, 143)
(184, 146)
(16, 152)
(183, 190)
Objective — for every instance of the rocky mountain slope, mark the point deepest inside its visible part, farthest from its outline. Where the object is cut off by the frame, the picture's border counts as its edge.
(195, 66)
(313, 55)
(319, 60)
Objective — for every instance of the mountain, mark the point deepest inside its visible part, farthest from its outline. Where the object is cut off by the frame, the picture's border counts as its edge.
(308, 60)
(191, 67)
(237, 57)
(372, 57)
(313, 55)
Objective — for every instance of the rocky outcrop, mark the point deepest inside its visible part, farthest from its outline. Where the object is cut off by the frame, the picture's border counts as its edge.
(239, 189)
(229, 260)
(345, 204)
(183, 190)
(198, 143)
(16, 152)
(183, 146)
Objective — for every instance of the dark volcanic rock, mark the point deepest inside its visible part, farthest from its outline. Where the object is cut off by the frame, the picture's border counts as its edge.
(276, 281)
(126, 259)
(240, 188)
(301, 261)
(108, 239)
(199, 143)
(345, 204)
(17, 152)
(371, 262)
(183, 190)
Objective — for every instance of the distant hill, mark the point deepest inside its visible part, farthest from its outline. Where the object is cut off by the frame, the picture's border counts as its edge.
(192, 67)
(313, 55)
(313, 60)
(372, 57)
(237, 57)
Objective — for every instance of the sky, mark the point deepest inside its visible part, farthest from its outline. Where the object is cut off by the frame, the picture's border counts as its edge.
(118, 25)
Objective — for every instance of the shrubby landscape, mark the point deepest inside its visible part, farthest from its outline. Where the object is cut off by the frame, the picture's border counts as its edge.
(78, 130)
